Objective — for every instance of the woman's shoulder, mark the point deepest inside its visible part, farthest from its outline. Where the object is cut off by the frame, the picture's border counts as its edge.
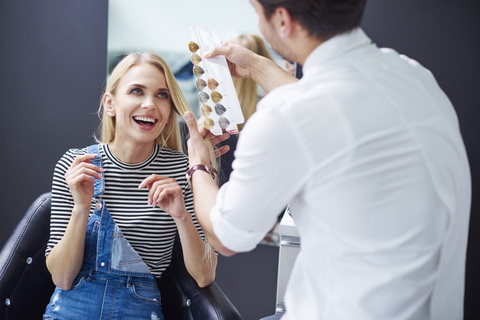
(72, 153)
(67, 158)
(167, 152)
(75, 152)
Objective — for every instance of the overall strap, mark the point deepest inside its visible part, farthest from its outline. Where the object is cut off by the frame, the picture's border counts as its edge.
(99, 183)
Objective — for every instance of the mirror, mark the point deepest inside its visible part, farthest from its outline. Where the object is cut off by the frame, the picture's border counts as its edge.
(163, 27)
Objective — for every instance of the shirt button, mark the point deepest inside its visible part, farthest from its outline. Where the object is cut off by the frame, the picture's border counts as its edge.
(102, 264)
(99, 206)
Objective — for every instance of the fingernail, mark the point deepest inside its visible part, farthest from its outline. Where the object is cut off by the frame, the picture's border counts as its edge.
(188, 116)
(208, 54)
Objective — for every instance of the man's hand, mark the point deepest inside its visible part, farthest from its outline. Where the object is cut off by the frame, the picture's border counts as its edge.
(239, 58)
(244, 63)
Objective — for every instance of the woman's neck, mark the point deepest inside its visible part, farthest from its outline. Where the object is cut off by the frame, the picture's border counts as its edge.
(131, 154)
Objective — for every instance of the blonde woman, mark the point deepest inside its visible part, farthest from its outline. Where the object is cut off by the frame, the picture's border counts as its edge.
(117, 205)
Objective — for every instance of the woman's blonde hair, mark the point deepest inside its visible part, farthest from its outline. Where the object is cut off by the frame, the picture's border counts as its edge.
(247, 88)
(170, 136)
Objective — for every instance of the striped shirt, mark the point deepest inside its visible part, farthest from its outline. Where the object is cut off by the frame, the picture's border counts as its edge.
(150, 231)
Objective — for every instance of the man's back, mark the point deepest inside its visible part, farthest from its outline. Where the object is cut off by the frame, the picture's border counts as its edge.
(383, 210)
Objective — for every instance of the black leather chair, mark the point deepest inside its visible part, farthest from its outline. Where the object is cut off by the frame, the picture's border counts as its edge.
(26, 285)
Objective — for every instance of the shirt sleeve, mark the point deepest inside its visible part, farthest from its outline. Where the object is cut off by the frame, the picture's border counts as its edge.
(268, 171)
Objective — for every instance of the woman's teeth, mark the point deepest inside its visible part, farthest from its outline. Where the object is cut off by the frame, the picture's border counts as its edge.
(144, 119)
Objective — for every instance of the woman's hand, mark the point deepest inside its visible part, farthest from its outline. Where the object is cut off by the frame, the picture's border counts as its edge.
(198, 152)
(79, 178)
(165, 193)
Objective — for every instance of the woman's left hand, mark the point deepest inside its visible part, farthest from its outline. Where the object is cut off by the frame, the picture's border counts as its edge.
(165, 193)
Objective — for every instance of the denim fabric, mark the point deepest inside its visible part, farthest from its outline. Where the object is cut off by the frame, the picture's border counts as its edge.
(114, 282)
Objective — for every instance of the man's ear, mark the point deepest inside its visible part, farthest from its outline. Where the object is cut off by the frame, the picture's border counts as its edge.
(108, 104)
(285, 24)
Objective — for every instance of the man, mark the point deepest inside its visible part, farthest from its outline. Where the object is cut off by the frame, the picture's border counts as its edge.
(366, 151)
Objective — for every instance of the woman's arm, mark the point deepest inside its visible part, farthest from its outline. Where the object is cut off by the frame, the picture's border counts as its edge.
(205, 188)
(65, 259)
(200, 258)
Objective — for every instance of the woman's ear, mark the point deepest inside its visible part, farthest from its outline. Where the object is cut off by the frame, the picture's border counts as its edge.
(108, 104)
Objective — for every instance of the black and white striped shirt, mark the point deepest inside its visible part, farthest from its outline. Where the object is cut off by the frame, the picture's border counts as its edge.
(150, 231)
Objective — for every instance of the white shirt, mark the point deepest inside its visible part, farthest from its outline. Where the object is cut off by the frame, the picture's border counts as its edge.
(367, 152)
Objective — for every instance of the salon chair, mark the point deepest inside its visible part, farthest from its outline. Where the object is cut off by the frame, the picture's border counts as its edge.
(26, 285)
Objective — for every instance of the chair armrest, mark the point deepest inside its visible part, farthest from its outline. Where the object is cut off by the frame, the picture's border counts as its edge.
(183, 299)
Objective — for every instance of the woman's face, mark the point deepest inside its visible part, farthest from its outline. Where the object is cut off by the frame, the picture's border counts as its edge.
(141, 105)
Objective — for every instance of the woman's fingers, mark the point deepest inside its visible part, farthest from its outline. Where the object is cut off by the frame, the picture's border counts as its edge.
(221, 151)
(163, 190)
(84, 161)
(81, 167)
(198, 153)
(165, 193)
(217, 139)
(84, 168)
(159, 187)
(148, 181)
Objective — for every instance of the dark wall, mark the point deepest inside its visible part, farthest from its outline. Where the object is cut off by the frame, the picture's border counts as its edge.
(52, 70)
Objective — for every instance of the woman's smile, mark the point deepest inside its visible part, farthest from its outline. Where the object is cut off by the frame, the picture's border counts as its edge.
(146, 122)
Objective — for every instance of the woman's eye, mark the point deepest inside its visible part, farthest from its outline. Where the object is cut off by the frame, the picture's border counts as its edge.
(136, 91)
(163, 95)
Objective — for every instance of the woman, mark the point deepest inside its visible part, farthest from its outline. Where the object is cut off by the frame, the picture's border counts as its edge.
(105, 255)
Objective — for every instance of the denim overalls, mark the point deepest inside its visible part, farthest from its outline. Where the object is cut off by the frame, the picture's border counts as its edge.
(114, 282)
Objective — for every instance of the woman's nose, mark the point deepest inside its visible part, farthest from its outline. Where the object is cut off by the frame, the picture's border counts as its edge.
(148, 104)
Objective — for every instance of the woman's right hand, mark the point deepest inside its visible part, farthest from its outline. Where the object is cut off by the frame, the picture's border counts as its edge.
(79, 178)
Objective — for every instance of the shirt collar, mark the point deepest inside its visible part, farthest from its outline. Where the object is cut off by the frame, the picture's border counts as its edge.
(336, 46)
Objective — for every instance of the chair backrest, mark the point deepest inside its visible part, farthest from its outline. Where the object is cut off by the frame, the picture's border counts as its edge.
(26, 285)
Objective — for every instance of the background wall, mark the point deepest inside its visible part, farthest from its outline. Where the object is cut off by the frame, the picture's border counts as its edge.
(52, 69)
(155, 26)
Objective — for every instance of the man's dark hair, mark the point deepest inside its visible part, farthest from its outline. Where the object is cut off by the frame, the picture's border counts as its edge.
(322, 18)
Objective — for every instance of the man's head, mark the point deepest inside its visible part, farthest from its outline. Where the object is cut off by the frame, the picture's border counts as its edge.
(322, 18)
(294, 28)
